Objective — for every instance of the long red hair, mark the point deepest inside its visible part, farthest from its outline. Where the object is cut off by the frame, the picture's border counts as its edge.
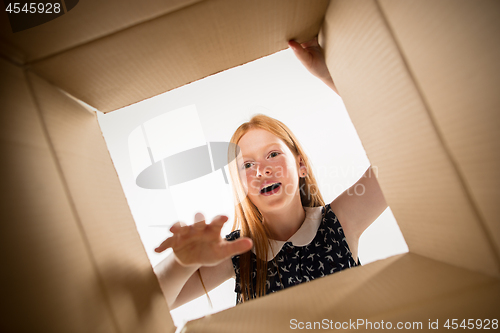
(248, 218)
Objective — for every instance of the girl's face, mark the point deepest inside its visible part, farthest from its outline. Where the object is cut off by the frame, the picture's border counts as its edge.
(268, 170)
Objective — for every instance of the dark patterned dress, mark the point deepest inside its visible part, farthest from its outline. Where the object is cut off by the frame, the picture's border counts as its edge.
(326, 254)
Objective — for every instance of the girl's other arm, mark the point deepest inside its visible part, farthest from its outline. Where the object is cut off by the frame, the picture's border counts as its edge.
(363, 202)
(358, 206)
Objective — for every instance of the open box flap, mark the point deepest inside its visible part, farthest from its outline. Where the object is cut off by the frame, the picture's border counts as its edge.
(422, 180)
(453, 54)
(172, 50)
(89, 20)
(61, 191)
(404, 287)
(76, 262)
(50, 277)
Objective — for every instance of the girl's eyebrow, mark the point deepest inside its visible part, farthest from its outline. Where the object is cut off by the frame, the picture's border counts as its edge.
(265, 148)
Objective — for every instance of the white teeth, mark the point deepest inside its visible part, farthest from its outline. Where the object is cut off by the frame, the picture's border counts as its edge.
(268, 186)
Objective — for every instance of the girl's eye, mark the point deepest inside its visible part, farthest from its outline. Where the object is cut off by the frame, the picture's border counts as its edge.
(274, 154)
(247, 165)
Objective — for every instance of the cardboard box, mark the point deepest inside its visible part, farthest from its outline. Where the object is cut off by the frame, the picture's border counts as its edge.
(419, 79)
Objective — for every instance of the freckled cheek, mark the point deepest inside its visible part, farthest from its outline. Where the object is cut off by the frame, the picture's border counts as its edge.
(254, 185)
(280, 172)
(250, 184)
(243, 180)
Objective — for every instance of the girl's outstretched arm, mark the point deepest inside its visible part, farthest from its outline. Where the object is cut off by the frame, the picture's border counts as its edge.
(311, 56)
(198, 246)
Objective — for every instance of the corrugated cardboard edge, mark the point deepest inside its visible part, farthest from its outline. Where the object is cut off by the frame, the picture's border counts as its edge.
(170, 51)
(456, 70)
(41, 222)
(405, 287)
(444, 288)
(68, 221)
(90, 20)
(419, 180)
(101, 211)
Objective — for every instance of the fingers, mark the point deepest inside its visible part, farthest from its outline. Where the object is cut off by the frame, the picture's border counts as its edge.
(176, 227)
(199, 225)
(310, 43)
(300, 47)
(182, 231)
(301, 53)
(219, 221)
(297, 48)
(199, 221)
(169, 242)
(239, 246)
(294, 45)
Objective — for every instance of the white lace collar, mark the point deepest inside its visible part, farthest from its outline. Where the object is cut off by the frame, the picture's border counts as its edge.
(303, 236)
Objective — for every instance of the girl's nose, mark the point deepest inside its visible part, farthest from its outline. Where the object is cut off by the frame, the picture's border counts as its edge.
(266, 171)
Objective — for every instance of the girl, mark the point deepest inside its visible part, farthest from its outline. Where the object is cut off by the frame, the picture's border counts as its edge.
(284, 234)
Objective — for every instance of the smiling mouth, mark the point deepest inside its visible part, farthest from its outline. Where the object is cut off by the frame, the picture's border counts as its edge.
(271, 189)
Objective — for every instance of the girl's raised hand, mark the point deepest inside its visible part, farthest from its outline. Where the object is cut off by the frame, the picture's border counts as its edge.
(201, 244)
(311, 56)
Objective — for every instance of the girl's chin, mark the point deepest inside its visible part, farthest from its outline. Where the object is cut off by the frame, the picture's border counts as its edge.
(271, 206)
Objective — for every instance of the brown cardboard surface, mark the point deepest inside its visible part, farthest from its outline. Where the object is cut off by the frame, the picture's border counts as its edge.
(88, 20)
(405, 287)
(437, 38)
(184, 46)
(74, 258)
(480, 302)
(98, 201)
(49, 281)
(419, 179)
